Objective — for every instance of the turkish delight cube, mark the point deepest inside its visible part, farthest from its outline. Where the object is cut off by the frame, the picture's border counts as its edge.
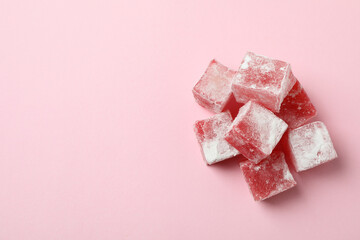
(255, 131)
(296, 109)
(263, 80)
(268, 178)
(310, 145)
(210, 135)
(213, 90)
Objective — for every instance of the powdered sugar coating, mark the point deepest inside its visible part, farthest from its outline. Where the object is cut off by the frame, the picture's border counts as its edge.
(263, 80)
(255, 131)
(214, 88)
(310, 146)
(210, 135)
(268, 178)
(296, 108)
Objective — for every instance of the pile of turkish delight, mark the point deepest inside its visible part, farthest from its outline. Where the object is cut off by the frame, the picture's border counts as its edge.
(269, 129)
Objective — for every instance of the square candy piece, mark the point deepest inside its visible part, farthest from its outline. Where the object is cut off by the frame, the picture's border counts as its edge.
(268, 178)
(210, 135)
(310, 145)
(255, 131)
(213, 90)
(296, 108)
(263, 80)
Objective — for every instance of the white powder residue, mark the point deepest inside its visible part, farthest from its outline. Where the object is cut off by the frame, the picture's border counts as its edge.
(215, 147)
(287, 83)
(286, 180)
(210, 151)
(288, 176)
(267, 128)
(215, 85)
(264, 130)
(277, 129)
(245, 64)
(262, 75)
(311, 146)
(281, 188)
(277, 166)
(268, 67)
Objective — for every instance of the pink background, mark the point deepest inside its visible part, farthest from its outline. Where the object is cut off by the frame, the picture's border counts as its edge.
(96, 116)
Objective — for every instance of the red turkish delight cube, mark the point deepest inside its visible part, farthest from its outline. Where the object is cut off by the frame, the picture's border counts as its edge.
(310, 145)
(213, 90)
(210, 135)
(263, 80)
(255, 131)
(268, 178)
(296, 109)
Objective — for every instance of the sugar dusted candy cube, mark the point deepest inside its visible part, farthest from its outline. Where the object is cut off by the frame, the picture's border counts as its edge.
(310, 145)
(263, 80)
(210, 135)
(213, 90)
(255, 131)
(296, 109)
(268, 178)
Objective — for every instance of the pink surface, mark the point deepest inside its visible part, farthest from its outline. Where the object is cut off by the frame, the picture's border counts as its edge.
(96, 117)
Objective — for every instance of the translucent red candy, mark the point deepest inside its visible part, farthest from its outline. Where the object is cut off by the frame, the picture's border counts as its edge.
(274, 101)
(268, 178)
(263, 80)
(255, 131)
(296, 108)
(213, 90)
(310, 145)
(210, 135)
